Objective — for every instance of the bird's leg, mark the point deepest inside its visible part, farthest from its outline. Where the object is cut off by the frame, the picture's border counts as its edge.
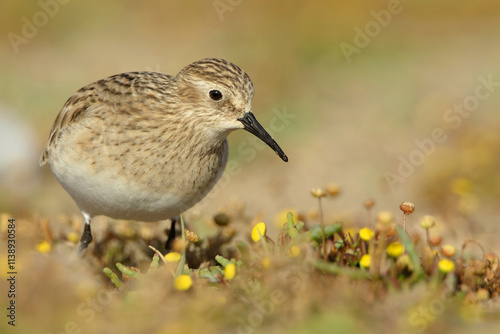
(87, 235)
(171, 234)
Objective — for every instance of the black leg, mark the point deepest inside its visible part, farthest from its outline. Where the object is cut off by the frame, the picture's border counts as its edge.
(171, 234)
(87, 234)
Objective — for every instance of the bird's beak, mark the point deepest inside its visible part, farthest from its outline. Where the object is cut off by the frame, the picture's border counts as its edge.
(251, 125)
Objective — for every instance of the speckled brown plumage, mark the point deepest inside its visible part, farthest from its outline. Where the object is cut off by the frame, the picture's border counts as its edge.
(147, 146)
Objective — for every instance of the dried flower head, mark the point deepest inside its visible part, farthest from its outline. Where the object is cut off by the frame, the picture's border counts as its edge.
(404, 262)
(222, 219)
(427, 222)
(384, 217)
(407, 207)
(369, 204)
(191, 236)
(333, 189)
(318, 192)
(448, 250)
(436, 240)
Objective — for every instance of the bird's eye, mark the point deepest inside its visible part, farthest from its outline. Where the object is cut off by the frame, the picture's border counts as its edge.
(215, 95)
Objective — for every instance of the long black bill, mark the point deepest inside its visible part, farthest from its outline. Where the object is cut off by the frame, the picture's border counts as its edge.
(251, 125)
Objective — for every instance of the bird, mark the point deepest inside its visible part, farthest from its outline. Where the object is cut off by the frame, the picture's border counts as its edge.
(147, 146)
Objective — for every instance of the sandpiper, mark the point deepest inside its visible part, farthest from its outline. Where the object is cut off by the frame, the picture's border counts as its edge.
(147, 146)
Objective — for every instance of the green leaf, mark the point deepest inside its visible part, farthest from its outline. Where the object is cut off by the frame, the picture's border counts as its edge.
(335, 269)
(113, 277)
(222, 260)
(154, 263)
(126, 270)
(418, 272)
(290, 226)
(317, 235)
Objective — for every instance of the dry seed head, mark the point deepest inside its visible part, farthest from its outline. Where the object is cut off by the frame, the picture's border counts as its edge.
(369, 204)
(436, 240)
(177, 245)
(427, 222)
(318, 193)
(493, 260)
(404, 262)
(384, 217)
(222, 219)
(448, 250)
(407, 207)
(191, 236)
(482, 294)
(332, 189)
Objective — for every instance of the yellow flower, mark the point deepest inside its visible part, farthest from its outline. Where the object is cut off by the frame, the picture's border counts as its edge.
(461, 186)
(280, 219)
(365, 261)
(446, 265)
(384, 217)
(467, 204)
(366, 234)
(173, 257)
(73, 237)
(427, 222)
(294, 251)
(266, 262)
(183, 282)
(43, 247)
(404, 262)
(230, 271)
(394, 249)
(258, 231)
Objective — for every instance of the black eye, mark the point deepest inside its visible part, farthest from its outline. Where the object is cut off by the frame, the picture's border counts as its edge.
(215, 95)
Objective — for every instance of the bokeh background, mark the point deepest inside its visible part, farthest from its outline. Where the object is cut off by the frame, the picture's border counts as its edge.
(343, 119)
(347, 120)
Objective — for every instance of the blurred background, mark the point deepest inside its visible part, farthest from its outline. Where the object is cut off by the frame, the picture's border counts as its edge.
(347, 89)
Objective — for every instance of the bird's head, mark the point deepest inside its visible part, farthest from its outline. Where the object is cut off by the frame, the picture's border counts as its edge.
(220, 94)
